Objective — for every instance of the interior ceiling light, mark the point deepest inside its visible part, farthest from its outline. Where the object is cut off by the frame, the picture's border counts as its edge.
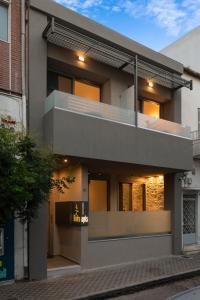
(150, 83)
(81, 58)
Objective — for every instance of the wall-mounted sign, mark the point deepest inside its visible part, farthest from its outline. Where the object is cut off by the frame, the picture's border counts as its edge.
(72, 213)
(80, 213)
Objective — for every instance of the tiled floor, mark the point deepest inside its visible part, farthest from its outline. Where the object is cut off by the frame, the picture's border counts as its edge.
(58, 262)
(77, 286)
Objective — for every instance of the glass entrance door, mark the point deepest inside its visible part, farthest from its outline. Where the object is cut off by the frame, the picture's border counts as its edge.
(7, 251)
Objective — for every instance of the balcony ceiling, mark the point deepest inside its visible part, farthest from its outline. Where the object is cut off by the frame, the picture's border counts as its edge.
(104, 52)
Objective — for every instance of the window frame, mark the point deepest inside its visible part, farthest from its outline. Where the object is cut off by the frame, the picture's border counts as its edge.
(7, 4)
(141, 104)
(102, 177)
(75, 78)
(88, 82)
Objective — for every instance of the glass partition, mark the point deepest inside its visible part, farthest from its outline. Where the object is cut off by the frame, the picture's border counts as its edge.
(93, 108)
(148, 122)
(115, 224)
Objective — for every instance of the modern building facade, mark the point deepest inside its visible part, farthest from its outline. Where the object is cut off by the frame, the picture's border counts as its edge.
(110, 109)
(12, 115)
(186, 50)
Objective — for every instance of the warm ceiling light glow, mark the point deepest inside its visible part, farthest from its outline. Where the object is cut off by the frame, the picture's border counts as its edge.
(81, 58)
(65, 161)
(150, 83)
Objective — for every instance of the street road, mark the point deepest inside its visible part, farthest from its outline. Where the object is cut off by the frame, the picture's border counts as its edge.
(164, 291)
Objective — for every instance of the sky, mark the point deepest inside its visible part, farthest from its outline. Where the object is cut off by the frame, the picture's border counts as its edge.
(154, 23)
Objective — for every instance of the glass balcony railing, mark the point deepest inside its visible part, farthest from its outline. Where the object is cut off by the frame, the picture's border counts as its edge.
(88, 107)
(112, 113)
(147, 122)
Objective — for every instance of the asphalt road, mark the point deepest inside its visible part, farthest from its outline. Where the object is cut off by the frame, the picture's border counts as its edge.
(164, 291)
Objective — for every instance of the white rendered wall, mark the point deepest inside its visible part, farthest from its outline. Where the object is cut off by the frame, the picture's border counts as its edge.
(191, 103)
(12, 106)
(186, 50)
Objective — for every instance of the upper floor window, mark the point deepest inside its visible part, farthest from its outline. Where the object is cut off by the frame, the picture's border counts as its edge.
(3, 22)
(151, 108)
(87, 90)
(73, 86)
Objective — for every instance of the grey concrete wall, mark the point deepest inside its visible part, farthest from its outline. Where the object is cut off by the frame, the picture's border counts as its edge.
(91, 137)
(119, 251)
(173, 196)
(38, 245)
(37, 94)
(37, 72)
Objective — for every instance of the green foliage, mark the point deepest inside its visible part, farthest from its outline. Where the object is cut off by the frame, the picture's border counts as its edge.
(25, 176)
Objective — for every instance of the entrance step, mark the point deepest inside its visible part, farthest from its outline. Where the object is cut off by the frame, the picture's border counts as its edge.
(191, 249)
(57, 272)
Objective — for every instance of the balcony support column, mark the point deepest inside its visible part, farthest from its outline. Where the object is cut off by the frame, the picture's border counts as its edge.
(136, 90)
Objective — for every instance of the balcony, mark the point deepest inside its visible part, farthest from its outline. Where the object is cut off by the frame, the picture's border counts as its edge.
(112, 113)
(195, 135)
(84, 128)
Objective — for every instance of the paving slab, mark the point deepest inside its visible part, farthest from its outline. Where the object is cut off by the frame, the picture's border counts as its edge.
(104, 282)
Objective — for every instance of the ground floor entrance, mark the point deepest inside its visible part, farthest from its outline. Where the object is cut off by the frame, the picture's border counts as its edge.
(7, 251)
(112, 214)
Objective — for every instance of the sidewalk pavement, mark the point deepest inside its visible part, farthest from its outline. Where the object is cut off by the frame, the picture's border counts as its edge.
(105, 282)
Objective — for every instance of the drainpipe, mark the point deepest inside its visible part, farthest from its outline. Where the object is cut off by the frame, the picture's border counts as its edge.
(23, 57)
(136, 90)
(24, 120)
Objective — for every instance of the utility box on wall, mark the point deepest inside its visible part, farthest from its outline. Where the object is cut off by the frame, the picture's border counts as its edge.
(72, 213)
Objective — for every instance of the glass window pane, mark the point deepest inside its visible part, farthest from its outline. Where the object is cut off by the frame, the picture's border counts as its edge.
(139, 199)
(3, 22)
(98, 195)
(64, 84)
(87, 90)
(125, 197)
(151, 108)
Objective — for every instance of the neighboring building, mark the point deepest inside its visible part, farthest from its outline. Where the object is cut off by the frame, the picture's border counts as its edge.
(186, 50)
(85, 83)
(12, 115)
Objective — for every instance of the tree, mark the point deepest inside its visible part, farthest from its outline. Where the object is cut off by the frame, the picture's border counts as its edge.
(25, 176)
